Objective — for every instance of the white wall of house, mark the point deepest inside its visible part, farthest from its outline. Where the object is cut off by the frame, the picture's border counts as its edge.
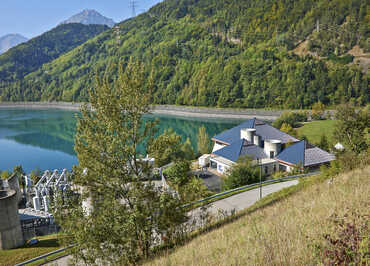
(270, 168)
(220, 167)
(217, 146)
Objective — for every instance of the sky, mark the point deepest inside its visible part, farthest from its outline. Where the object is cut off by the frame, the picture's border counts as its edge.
(31, 18)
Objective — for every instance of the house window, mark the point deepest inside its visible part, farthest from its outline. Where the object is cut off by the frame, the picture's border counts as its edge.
(213, 165)
(282, 167)
(274, 167)
(272, 154)
(266, 170)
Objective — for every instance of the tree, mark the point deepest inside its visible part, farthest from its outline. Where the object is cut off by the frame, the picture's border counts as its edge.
(5, 174)
(324, 143)
(187, 150)
(352, 128)
(318, 110)
(289, 130)
(204, 146)
(165, 148)
(240, 174)
(188, 186)
(120, 215)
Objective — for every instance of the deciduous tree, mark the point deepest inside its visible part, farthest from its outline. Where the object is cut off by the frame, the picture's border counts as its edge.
(120, 214)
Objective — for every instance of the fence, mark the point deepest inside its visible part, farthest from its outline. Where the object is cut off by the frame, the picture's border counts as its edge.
(229, 192)
(232, 191)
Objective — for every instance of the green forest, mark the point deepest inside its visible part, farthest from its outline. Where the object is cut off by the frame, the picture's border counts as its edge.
(223, 53)
(30, 56)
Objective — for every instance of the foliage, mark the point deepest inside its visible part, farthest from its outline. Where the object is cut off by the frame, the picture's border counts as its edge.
(187, 150)
(178, 173)
(350, 244)
(290, 118)
(324, 143)
(288, 129)
(35, 175)
(189, 187)
(165, 148)
(240, 174)
(318, 110)
(219, 53)
(5, 174)
(30, 56)
(127, 214)
(204, 143)
(352, 128)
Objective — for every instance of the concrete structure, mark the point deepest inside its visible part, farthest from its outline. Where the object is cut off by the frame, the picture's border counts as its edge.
(10, 227)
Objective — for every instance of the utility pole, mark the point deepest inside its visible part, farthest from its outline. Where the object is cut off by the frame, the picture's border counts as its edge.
(259, 164)
(133, 6)
(317, 25)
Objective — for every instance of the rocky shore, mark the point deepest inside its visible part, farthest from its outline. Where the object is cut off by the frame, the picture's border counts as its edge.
(185, 111)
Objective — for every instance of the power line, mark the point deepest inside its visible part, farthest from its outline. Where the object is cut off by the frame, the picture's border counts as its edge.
(133, 6)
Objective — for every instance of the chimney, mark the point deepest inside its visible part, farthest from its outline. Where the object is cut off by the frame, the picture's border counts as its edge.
(257, 140)
(248, 134)
(272, 147)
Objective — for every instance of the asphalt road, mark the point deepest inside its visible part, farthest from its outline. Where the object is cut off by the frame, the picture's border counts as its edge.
(226, 206)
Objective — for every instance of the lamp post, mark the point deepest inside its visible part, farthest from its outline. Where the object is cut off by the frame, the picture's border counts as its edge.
(259, 162)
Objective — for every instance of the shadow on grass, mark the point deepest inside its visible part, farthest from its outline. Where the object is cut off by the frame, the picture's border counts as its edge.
(44, 243)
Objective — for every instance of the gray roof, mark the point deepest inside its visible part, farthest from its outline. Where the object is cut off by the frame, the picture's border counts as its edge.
(305, 153)
(263, 129)
(316, 155)
(267, 131)
(253, 151)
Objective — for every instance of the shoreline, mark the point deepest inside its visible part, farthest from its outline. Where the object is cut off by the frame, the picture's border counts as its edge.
(172, 110)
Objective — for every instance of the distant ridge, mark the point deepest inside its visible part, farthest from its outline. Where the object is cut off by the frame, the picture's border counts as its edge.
(10, 40)
(88, 17)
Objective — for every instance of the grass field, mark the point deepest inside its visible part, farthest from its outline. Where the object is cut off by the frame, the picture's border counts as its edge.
(13, 256)
(288, 232)
(314, 130)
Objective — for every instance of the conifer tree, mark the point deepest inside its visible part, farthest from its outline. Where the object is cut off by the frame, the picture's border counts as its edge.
(203, 141)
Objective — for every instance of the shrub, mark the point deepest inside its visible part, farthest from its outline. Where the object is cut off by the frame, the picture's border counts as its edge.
(350, 246)
(290, 118)
(318, 110)
(241, 174)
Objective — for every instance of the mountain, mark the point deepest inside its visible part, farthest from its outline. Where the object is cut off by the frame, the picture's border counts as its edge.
(30, 56)
(88, 17)
(222, 53)
(10, 40)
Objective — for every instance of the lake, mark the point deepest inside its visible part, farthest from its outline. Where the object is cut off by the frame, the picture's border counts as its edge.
(43, 139)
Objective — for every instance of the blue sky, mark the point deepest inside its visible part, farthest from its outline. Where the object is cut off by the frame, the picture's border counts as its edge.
(33, 17)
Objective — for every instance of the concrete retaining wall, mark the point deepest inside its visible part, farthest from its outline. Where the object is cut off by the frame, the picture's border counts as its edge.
(10, 227)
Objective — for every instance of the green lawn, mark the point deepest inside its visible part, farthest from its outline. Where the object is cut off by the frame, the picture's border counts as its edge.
(13, 256)
(314, 130)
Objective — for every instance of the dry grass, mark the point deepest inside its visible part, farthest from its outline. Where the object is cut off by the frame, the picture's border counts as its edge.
(284, 233)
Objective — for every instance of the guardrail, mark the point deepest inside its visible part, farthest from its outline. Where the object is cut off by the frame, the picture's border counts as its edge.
(248, 186)
(44, 256)
(188, 205)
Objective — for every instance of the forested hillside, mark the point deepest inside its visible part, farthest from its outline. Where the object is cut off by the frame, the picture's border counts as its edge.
(28, 57)
(227, 53)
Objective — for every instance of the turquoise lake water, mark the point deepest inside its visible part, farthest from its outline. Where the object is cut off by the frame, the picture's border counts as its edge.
(43, 139)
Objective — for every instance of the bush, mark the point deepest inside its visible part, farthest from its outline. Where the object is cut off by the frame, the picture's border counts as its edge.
(350, 246)
(241, 174)
(290, 118)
